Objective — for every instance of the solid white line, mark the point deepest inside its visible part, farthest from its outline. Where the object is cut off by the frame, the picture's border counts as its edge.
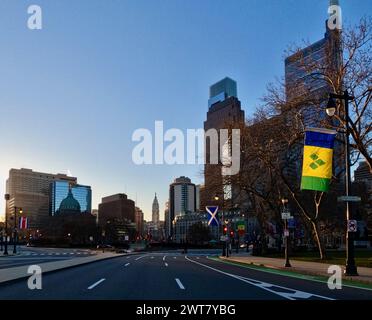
(96, 284)
(166, 264)
(262, 285)
(141, 257)
(127, 264)
(180, 284)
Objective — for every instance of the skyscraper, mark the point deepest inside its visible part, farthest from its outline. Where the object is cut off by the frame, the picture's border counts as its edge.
(224, 109)
(155, 211)
(305, 68)
(305, 82)
(182, 200)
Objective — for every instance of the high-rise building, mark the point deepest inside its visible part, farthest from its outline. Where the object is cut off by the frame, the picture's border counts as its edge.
(363, 174)
(224, 110)
(31, 191)
(155, 211)
(60, 190)
(139, 221)
(304, 80)
(182, 200)
(303, 71)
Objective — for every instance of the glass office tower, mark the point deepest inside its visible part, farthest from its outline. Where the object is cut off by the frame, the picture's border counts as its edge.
(59, 191)
(222, 90)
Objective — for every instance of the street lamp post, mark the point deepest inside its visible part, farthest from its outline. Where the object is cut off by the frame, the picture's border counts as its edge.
(7, 197)
(351, 269)
(286, 235)
(224, 245)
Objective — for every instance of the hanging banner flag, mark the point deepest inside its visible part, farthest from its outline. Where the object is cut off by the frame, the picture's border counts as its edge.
(212, 215)
(241, 227)
(23, 223)
(317, 161)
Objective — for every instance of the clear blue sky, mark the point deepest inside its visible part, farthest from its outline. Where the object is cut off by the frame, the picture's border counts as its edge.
(72, 94)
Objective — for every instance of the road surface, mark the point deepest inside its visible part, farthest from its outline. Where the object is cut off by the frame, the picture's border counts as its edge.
(174, 276)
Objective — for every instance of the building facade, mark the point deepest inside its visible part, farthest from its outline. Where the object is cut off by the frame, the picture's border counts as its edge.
(116, 207)
(31, 191)
(60, 190)
(155, 211)
(182, 200)
(139, 222)
(224, 110)
(116, 219)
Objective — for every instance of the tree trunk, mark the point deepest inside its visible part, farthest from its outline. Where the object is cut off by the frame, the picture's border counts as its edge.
(318, 240)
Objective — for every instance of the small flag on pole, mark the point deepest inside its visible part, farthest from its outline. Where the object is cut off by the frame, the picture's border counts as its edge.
(212, 215)
(317, 161)
(23, 223)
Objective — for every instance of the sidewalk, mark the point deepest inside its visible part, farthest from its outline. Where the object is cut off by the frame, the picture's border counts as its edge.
(303, 267)
(15, 273)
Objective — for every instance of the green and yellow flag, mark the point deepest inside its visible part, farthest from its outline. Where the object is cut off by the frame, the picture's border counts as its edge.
(317, 161)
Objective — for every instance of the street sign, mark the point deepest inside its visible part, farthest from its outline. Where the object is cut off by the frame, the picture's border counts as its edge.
(349, 198)
(352, 226)
(286, 215)
(126, 238)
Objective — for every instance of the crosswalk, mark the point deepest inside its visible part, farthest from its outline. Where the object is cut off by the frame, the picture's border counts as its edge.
(56, 254)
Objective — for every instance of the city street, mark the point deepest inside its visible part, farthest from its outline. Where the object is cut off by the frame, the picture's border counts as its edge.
(174, 276)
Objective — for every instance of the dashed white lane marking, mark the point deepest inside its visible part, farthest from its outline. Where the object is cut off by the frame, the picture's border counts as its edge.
(141, 257)
(128, 257)
(152, 257)
(180, 284)
(266, 286)
(164, 258)
(166, 264)
(174, 257)
(65, 253)
(96, 284)
(197, 258)
(72, 252)
(127, 264)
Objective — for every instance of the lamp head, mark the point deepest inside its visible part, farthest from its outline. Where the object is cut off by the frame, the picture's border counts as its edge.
(331, 107)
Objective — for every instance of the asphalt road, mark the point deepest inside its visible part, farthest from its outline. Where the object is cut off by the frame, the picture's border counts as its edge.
(172, 276)
(33, 255)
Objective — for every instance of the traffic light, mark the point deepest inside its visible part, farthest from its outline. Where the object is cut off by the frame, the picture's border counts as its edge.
(231, 233)
(20, 210)
(224, 230)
